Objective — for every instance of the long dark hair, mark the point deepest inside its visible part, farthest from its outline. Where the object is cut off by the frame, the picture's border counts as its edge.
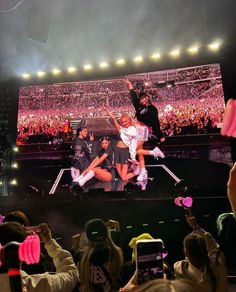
(195, 247)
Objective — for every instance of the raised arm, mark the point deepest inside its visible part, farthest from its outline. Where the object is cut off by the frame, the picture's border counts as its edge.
(133, 94)
(66, 276)
(129, 84)
(114, 120)
(211, 245)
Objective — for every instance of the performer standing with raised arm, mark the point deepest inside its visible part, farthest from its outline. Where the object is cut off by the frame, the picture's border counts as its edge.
(128, 136)
(147, 124)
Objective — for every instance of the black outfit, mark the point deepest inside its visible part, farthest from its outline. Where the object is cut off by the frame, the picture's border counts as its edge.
(147, 115)
(82, 154)
(108, 163)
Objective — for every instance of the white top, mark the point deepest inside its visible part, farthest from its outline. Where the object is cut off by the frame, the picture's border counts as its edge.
(129, 138)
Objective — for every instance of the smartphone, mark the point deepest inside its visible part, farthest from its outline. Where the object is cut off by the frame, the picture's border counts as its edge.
(33, 229)
(149, 259)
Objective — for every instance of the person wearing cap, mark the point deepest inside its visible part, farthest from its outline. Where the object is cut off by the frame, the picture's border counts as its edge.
(82, 152)
(130, 267)
(148, 124)
(101, 261)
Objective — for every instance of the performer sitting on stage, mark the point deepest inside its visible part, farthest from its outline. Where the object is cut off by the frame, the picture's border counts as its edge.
(148, 125)
(102, 165)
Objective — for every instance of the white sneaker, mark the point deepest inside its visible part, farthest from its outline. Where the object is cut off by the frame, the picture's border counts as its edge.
(158, 153)
(143, 175)
(142, 184)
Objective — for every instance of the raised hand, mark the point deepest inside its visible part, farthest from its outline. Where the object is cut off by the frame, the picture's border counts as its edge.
(129, 83)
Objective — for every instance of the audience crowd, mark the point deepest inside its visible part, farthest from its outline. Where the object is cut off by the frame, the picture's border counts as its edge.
(193, 104)
(96, 261)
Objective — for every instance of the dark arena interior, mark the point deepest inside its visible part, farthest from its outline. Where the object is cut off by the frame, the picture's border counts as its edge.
(70, 71)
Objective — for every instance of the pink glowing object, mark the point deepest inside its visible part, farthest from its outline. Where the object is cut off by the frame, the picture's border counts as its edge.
(178, 201)
(164, 254)
(1, 218)
(184, 202)
(229, 119)
(187, 202)
(29, 250)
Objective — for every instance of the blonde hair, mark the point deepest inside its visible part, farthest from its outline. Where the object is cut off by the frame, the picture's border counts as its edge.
(126, 115)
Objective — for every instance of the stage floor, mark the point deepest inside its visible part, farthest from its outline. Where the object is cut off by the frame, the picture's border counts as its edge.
(166, 179)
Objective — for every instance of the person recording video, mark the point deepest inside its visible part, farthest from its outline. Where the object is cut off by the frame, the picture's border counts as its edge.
(66, 276)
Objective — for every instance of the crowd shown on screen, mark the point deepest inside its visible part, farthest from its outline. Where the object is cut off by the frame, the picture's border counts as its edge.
(193, 105)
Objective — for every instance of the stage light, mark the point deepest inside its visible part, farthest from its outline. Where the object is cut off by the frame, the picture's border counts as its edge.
(41, 73)
(120, 62)
(15, 149)
(13, 182)
(88, 67)
(14, 165)
(138, 59)
(56, 71)
(214, 46)
(193, 50)
(26, 76)
(1, 182)
(103, 65)
(72, 69)
(175, 53)
(156, 56)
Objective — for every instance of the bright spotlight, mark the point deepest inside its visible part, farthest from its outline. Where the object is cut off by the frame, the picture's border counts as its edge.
(138, 59)
(72, 69)
(214, 46)
(120, 62)
(156, 56)
(13, 182)
(103, 65)
(26, 76)
(15, 149)
(193, 50)
(56, 71)
(88, 67)
(175, 53)
(1, 182)
(41, 74)
(14, 165)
